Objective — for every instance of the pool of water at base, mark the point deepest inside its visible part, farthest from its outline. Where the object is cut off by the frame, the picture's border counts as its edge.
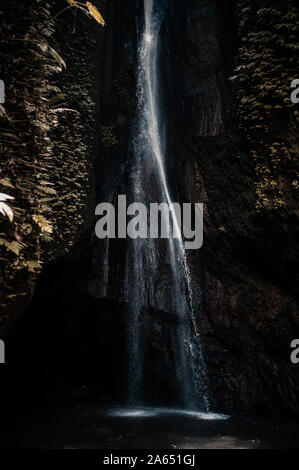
(91, 427)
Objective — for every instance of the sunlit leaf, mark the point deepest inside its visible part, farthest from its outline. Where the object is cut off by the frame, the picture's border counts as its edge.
(95, 13)
(6, 210)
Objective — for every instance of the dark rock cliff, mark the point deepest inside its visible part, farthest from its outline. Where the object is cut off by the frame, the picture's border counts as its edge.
(246, 267)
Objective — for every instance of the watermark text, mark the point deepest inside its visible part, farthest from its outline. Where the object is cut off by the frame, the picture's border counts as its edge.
(183, 222)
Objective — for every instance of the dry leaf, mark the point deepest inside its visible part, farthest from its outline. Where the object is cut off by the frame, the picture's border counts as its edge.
(5, 197)
(6, 210)
(57, 57)
(2, 110)
(95, 13)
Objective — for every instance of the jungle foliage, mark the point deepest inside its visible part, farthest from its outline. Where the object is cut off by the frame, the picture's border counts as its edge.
(267, 63)
(44, 173)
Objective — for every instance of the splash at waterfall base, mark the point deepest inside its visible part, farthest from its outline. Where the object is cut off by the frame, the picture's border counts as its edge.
(161, 221)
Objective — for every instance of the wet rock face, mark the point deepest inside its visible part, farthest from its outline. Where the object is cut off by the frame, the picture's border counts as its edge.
(207, 53)
(159, 379)
(246, 266)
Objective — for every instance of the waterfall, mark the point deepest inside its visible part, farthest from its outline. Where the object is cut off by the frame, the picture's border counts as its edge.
(150, 260)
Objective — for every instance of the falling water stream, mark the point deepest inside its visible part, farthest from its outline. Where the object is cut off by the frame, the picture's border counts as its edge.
(147, 259)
